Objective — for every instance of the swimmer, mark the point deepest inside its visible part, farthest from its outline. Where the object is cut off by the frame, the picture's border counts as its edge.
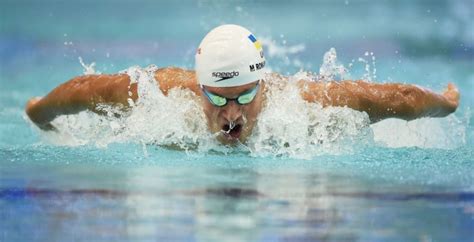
(229, 79)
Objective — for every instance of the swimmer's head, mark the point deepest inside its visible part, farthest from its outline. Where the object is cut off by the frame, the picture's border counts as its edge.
(229, 56)
(230, 71)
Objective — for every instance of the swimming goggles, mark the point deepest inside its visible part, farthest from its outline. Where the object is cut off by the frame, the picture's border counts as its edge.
(243, 99)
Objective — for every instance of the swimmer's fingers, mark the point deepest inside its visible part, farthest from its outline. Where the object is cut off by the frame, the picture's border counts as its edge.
(32, 102)
(452, 95)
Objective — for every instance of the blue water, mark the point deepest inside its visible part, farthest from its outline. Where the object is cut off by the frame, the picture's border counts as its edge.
(410, 181)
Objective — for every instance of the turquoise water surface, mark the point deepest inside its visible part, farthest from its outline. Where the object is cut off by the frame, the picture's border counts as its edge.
(108, 179)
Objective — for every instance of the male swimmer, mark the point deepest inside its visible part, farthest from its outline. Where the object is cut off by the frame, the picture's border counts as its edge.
(230, 81)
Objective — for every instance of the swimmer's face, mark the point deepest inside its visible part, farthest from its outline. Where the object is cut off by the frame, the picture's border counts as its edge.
(242, 117)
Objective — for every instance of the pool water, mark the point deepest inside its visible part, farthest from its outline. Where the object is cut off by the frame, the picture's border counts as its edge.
(154, 177)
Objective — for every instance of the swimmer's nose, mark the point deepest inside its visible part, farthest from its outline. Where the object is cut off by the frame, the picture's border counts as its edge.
(232, 111)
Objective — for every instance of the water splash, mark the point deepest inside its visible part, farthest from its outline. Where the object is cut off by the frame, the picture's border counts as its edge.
(281, 53)
(369, 66)
(331, 69)
(445, 133)
(273, 49)
(288, 125)
(88, 69)
(175, 120)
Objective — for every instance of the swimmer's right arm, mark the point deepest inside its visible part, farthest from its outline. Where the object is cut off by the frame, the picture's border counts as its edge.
(86, 92)
(79, 94)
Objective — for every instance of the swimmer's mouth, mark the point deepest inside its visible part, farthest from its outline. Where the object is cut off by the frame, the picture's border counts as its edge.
(232, 130)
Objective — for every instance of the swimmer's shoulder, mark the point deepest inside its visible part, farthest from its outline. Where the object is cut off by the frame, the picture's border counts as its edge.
(175, 77)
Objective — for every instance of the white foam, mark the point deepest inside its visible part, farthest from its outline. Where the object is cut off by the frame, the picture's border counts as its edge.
(444, 133)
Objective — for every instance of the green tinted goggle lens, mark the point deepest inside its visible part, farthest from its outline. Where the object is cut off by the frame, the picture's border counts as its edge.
(244, 98)
(217, 100)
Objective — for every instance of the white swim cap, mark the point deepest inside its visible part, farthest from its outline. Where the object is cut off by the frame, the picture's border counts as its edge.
(229, 56)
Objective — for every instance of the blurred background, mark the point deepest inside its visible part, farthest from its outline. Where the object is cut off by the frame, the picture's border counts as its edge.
(382, 193)
(426, 41)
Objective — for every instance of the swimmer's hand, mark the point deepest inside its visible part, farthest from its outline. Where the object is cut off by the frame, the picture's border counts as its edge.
(451, 94)
(33, 111)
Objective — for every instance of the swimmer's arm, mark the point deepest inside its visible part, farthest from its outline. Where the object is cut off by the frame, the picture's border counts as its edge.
(381, 101)
(86, 92)
(79, 94)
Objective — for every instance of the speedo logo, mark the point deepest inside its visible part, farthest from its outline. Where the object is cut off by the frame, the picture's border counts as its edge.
(223, 75)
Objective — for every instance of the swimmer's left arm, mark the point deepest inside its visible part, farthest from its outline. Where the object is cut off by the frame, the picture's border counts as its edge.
(381, 101)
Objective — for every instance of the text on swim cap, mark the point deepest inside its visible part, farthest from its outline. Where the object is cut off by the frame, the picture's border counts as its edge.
(257, 66)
